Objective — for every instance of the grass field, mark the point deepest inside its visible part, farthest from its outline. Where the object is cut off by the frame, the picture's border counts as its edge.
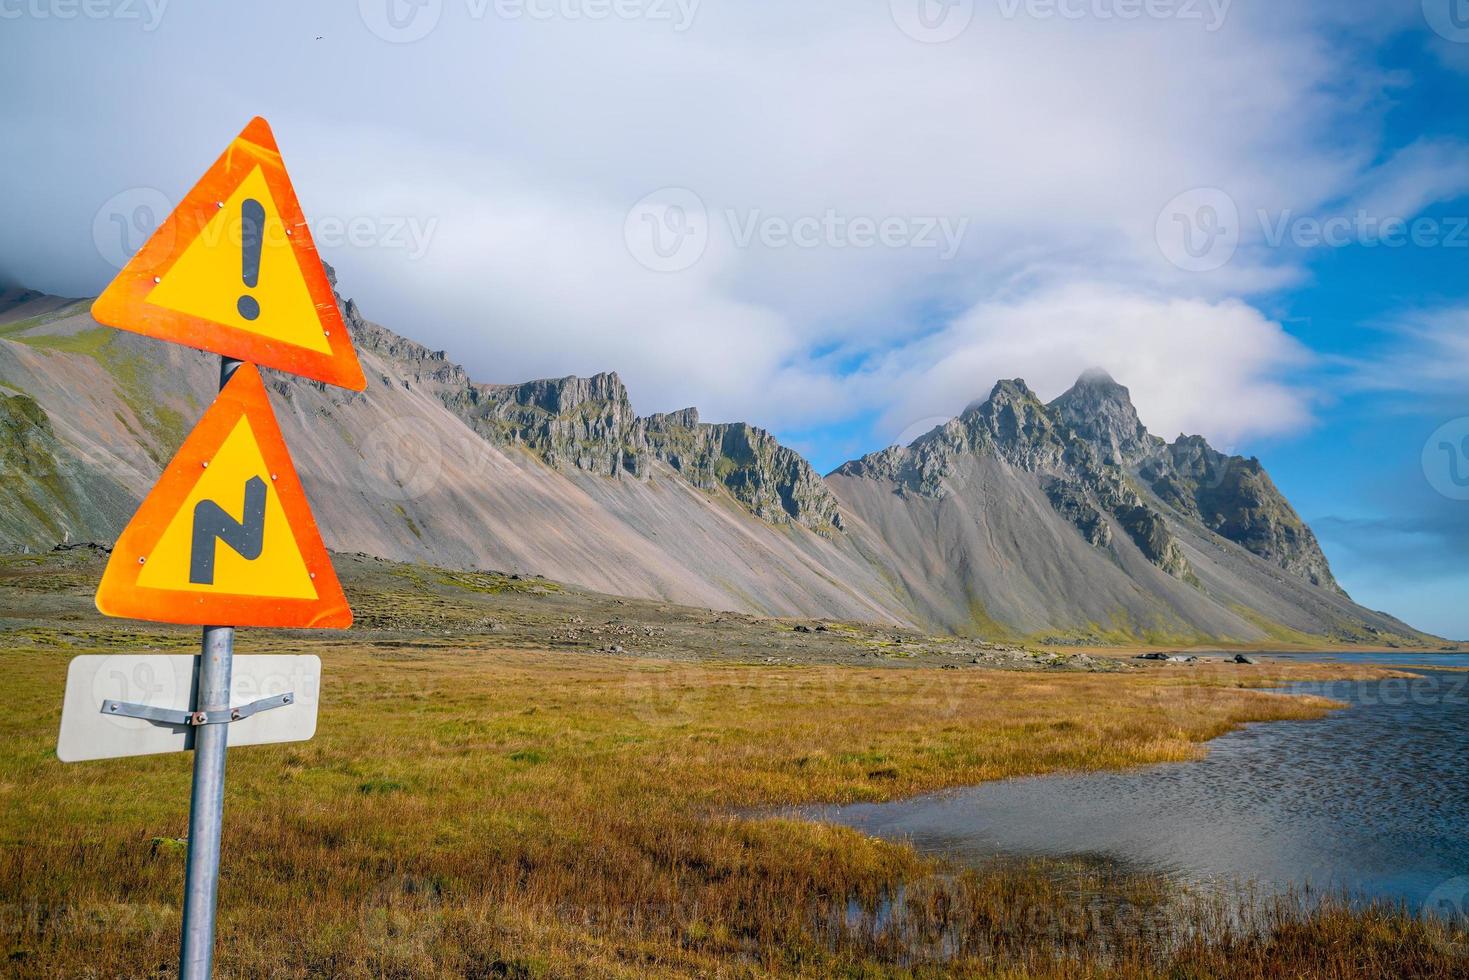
(468, 809)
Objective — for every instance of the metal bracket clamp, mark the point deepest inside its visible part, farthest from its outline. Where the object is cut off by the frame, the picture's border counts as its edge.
(189, 719)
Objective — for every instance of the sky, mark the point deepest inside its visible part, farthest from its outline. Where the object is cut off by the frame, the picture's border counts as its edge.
(844, 220)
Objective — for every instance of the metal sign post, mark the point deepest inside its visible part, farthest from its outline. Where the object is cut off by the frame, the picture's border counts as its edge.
(206, 799)
(206, 803)
(184, 557)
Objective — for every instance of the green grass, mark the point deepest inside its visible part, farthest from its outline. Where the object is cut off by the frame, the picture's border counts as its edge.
(571, 815)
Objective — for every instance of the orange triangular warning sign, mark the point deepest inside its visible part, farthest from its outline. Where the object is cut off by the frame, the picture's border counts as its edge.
(233, 270)
(226, 537)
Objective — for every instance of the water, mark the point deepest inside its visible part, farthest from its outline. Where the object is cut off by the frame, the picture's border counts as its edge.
(1372, 800)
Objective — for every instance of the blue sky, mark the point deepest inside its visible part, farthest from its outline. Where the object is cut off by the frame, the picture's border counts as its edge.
(845, 220)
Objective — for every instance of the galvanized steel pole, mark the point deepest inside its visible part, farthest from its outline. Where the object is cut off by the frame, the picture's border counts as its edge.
(206, 801)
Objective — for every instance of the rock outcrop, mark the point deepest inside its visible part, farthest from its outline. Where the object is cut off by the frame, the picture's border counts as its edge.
(588, 424)
(1232, 496)
(1074, 453)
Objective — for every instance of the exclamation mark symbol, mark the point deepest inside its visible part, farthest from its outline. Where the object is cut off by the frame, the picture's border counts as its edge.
(252, 234)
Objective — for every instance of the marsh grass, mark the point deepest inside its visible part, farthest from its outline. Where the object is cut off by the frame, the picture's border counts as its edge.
(466, 811)
(496, 813)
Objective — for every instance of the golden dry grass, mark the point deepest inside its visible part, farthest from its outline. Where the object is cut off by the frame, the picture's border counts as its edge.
(480, 812)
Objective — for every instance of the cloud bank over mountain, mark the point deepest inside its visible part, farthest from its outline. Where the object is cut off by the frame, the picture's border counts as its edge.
(518, 147)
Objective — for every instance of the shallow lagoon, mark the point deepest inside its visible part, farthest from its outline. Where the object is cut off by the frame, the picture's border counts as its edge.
(1373, 800)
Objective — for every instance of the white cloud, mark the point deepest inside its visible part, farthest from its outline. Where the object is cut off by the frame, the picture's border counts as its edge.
(526, 142)
(1420, 174)
(1193, 366)
(1425, 352)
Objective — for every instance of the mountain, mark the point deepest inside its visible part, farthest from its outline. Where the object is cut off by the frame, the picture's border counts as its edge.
(557, 477)
(1066, 521)
(1070, 519)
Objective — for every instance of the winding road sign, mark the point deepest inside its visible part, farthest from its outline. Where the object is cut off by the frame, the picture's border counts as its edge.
(226, 535)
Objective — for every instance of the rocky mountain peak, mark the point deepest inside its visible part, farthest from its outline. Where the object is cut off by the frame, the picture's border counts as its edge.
(1014, 425)
(1100, 410)
(1235, 498)
(1096, 462)
(685, 418)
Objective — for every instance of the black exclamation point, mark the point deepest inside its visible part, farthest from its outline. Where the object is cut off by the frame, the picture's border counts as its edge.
(252, 234)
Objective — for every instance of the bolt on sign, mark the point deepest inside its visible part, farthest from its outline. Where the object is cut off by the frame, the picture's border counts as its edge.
(233, 270)
(226, 537)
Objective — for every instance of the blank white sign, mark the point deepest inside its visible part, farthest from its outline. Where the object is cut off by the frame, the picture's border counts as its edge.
(167, 681)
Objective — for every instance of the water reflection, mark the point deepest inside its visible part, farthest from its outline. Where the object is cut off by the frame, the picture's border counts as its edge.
(1373, 800)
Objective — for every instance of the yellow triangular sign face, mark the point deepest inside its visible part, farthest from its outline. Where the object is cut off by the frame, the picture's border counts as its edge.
(206, 281)
(226, 537)
(277, 569)
(233, 270)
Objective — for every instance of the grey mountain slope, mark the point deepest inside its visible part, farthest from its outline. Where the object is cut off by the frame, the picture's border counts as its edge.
(395, 472)
(1038, 518)
(1017, 518)
(588, 425)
